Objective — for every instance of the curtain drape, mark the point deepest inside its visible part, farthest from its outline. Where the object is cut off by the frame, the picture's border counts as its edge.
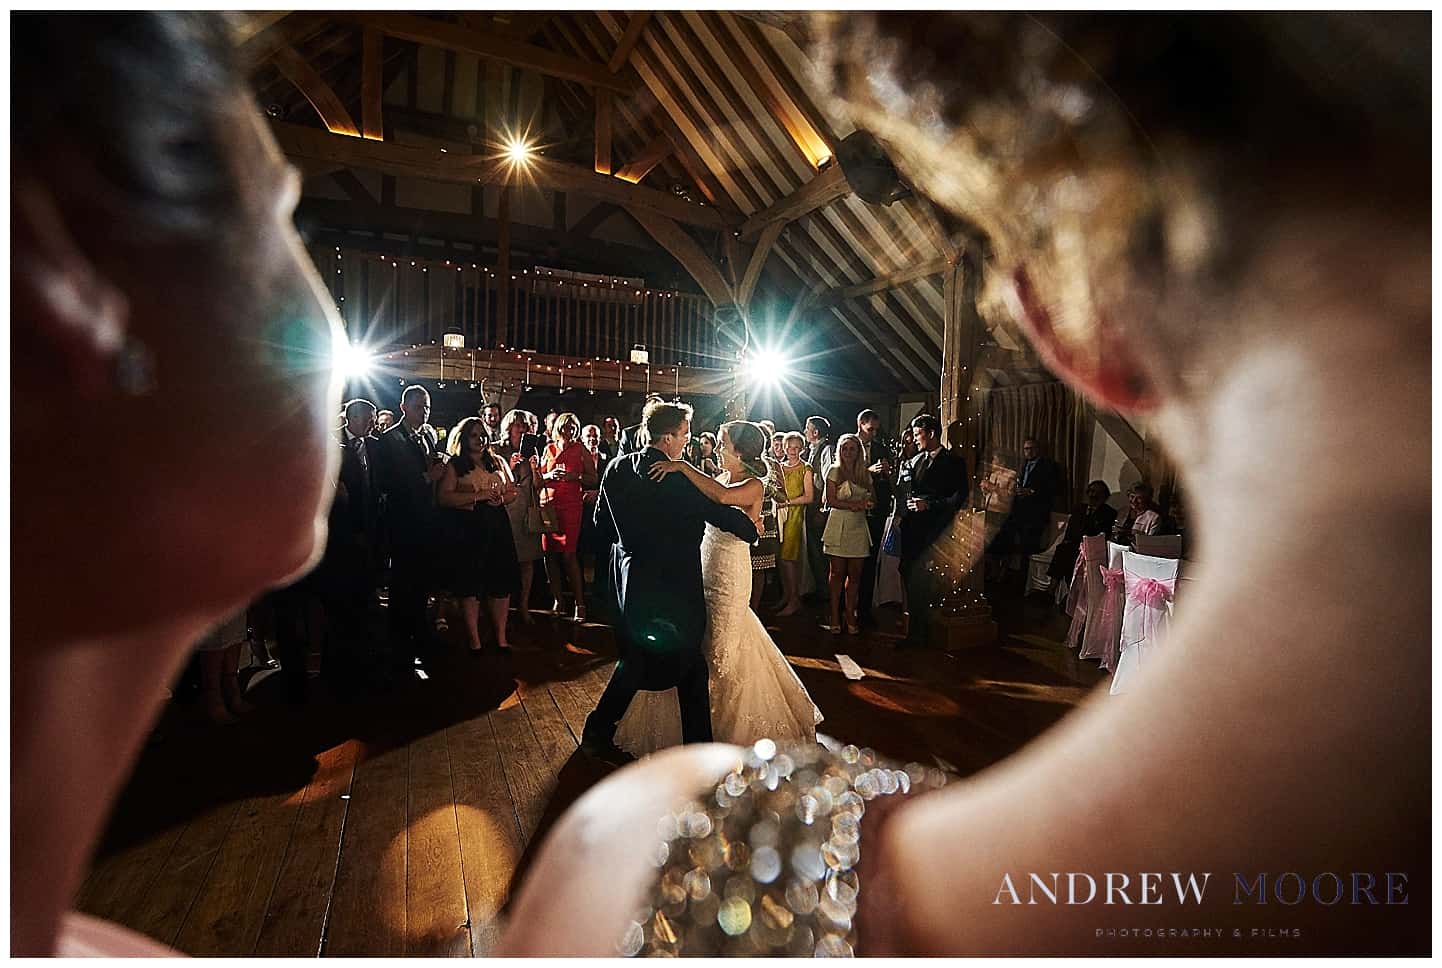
(1056, 416)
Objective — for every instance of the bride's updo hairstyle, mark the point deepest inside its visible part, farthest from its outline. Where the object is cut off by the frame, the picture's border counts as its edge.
(748, 440)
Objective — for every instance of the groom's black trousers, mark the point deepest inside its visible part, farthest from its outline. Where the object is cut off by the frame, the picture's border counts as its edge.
(693, 691)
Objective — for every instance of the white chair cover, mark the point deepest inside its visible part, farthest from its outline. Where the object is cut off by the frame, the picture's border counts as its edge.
(1151, 584)
(1104, 627)
(1037, 579)
(1085, 599)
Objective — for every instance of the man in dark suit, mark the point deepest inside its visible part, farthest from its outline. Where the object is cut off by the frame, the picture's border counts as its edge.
(1036, 488)
(633, 440)
(405, 475)
(938, 490)
(876, 457)
(350, 549)
(655, 528)
(1037, 481)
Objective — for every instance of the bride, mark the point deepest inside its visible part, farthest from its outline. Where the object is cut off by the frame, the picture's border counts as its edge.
(755, 694)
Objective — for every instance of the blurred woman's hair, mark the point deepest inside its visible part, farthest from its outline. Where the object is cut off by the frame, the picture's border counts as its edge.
(137, 101)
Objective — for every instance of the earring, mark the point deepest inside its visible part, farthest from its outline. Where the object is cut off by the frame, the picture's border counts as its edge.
(134, 368)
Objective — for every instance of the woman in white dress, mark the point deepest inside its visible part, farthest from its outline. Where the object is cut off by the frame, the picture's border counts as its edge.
(755, 694)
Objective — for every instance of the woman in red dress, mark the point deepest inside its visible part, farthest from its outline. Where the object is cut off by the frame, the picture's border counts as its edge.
(568, 469)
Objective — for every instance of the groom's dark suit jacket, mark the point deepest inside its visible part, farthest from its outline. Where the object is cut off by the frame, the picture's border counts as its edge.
(656, 528)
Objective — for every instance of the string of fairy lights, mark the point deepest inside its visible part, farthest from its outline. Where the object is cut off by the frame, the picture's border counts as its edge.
(591, 378)
(591, 281)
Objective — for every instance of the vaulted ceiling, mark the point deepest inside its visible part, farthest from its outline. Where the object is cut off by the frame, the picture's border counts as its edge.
(698, 138)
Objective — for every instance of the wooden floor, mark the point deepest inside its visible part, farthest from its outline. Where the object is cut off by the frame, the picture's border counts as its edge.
(398, 825)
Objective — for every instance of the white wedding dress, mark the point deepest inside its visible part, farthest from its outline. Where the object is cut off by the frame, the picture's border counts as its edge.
(755, 694)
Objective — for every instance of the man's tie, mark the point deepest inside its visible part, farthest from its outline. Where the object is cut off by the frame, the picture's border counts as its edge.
(359, 445)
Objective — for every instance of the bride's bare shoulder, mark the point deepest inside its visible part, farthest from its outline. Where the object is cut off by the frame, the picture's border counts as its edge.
(596, 864)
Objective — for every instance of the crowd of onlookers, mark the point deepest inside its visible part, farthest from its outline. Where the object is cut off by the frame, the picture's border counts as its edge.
(444, 526)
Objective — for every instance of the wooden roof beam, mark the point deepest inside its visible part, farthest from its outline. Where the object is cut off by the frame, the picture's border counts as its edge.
(371, 85)
(657, 150)
(298, 71)
(629, 39)
(883, 283)
(490, 46)
(688, 252)
(437, 165)
(819, 192)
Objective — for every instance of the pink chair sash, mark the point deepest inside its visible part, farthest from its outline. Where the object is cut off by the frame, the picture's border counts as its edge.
(1152, 594)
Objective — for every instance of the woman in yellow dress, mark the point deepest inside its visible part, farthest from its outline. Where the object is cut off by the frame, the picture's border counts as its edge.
(800, 491)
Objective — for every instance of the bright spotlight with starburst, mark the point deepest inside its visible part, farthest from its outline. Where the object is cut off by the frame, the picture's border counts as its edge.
(518, 152)
(765, 367)
(352, 360)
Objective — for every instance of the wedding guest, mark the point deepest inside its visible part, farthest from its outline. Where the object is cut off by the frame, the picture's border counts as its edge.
(347, 571)
(691, 453)
(567, 469)
(490, 414)
(850, 494)
(475, 489)
(1142, 516)
(593, 544)
(154, 271)
(525, 471)
(768, 543)
(1037, 484)
(778, 446)
(1093, 516)
(405, 474)
(385, 419)
(819, 454)
(800, 491)
(876, 457)
(709, 464)
(610, 437)
(938, 482)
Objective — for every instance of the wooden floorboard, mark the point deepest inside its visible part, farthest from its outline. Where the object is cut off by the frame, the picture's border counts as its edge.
(436, 925)
(230, 908)
(524, 763)
(178, 882)
(295, 916)
(368, 906)
(117, 887)
(490, 834)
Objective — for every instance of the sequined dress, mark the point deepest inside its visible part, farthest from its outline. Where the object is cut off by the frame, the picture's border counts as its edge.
(755, 693)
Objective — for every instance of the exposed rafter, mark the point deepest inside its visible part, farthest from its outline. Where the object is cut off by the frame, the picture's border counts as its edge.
(634, 27)
(819, 192)
(883, 283)
(655, 151)
(433, 163)
(758, 257)
(448, 36)
(371, 85)
(299, 72)
(688, 252)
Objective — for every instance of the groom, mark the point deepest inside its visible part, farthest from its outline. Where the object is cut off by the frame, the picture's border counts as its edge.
(655, 528)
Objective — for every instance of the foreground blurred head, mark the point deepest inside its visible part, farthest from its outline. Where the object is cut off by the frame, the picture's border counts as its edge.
(158, 281)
